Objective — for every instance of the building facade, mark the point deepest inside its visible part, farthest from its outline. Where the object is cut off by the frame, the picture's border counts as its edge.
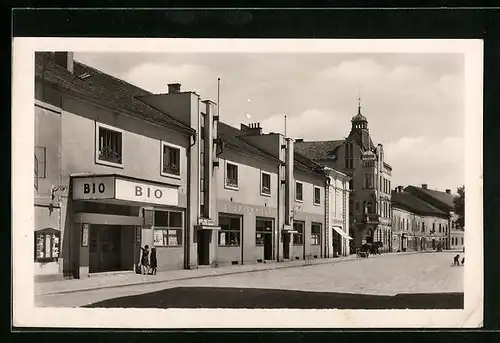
(416, 225)
(118, 168)
(370, 184)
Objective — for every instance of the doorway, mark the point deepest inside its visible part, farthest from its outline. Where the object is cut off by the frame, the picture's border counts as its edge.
(286, 245)
(104, 248)
(264, 238)
(204, 239)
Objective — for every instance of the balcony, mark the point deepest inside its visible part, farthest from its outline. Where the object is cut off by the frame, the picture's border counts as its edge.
(371, 218)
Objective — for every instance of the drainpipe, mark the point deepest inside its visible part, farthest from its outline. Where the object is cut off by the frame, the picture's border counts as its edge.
(188, 208)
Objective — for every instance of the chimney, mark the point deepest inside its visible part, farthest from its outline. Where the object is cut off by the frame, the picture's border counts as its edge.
(65, 60)
(424, 186)
(252, 129)
(400, 189)
(174, 88)
(448, 191)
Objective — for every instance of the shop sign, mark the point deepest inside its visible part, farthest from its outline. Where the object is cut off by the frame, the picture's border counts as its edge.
(111, 187)
(206, 221)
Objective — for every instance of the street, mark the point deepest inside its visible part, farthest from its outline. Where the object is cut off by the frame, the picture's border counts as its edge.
(382, 280)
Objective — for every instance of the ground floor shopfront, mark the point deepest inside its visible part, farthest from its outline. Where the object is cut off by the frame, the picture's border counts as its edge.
(47, 239)
(112, 217)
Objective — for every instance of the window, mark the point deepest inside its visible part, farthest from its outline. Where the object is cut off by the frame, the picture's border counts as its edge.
(167, 227)
(231, 175)
(47, 244)
(109, 145)
(433, 227)
(351, 184)
(298, 237)
(317, 195)
(263, 227)
(230, 231)
(357, 206)
(368, 181)
(40, 158)
(462, 241)
(315, 234)
(423, 227)
(265, 183)
(439, 227)
(298, 190)
(171, 160)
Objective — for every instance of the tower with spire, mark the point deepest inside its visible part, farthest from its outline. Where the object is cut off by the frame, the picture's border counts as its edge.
(360, 133)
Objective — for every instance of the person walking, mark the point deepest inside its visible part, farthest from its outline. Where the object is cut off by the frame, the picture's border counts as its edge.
(145, 259)
(153, 263)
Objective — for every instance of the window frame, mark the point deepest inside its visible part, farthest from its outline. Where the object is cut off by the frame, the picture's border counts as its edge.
(168, 228)
(164, 144)
(262, 173)
(299, 233)
(43, 163)
(239, 231)
(320, 226)
(261, 231)
(97, 160)
(226, 185)
(314, 196)
(302, 191)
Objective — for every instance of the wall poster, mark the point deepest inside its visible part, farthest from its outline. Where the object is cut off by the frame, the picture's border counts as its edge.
(85, 235)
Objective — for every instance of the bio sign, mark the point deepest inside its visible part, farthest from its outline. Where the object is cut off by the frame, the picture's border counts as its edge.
(110, 187)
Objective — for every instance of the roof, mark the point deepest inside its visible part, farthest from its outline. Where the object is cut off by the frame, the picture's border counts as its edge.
(101, 88)
(318, 150)
(414, 204)
(304, 162)
(229, 136)
(362, 138)
(438, 198)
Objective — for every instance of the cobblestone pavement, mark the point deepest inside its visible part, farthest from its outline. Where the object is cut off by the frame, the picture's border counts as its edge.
(378, 275)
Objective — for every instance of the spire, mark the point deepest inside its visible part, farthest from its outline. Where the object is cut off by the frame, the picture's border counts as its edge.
(359, 104)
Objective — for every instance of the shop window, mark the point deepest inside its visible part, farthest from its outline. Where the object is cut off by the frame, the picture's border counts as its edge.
(298, 236)
(40, 158)
(299, 187)
(315, 234)
(262, 227)
(265, 187)
(170, 160)
(47, 244)
(167, 227)
(317, 195)
(231, 175)
(230, 231)
(109, 145)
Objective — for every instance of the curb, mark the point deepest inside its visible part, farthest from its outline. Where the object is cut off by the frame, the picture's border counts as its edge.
(233, 272)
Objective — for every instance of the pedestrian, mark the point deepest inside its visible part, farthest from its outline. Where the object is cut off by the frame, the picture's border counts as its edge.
(463, 261)
(456, 260)
(145, 259)
(153, 263)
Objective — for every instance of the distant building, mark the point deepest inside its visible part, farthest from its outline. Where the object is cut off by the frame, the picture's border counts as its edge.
(442, 201)
(417, 225)
(370, 185)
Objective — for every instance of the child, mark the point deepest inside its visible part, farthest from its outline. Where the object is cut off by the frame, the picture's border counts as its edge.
(456, 260)
(145, 259)
(153, 262)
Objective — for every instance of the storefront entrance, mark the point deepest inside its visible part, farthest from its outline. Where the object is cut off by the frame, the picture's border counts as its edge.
(264, 238)
(204, 239)
(104, 248)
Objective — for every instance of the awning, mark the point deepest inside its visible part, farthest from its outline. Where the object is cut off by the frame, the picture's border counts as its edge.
(342, 233)
(207, 227)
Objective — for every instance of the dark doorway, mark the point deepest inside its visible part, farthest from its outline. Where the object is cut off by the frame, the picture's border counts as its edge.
(433, 244)
(204, 239)
(286, 245)
(104, 248)
(264, 237)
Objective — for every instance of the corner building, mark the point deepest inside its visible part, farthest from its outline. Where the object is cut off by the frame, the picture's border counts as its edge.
(370, 180)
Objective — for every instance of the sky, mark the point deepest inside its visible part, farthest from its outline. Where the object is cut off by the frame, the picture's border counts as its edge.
(414, 103)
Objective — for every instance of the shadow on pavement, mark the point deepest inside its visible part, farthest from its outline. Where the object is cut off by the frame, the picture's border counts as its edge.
(222, 297)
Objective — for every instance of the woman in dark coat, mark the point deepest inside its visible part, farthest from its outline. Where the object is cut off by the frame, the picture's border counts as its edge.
(145, 260)
(153, 262)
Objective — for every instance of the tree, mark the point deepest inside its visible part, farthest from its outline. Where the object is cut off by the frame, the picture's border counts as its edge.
(459, 202)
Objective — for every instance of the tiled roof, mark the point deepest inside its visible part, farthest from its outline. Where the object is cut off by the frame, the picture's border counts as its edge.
(101, 88)
(229, 136)
(414, 204)
(318, 150)
(307, 164)
(442, 198)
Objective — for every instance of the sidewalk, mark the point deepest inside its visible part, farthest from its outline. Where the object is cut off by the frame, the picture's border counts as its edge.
(132, 279)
